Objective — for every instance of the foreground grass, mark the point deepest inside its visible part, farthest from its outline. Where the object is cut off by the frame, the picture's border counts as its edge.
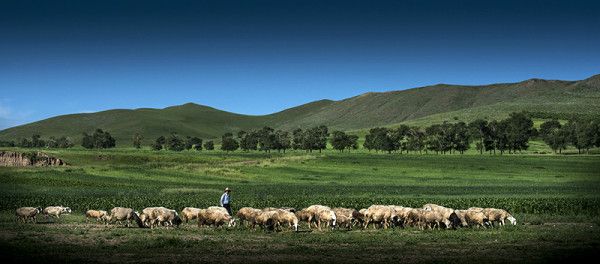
(72, 240)
(555, 199)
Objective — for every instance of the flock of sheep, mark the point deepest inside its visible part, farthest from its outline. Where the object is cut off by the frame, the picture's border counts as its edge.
(382, 216)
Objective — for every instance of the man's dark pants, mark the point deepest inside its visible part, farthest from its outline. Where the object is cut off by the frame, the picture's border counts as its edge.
(228, 207)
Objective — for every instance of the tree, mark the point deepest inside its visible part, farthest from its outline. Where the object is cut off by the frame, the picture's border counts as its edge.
(282, 140)
(228, 143)
(51, 143)
(462, 141)
(479, 130)
(193, 143)
(87, 141)
(99, 139)
(248, 140)
(174, 143)
(297, 139)
(64, 142)
(369, 142)
(581, 134)
(6, 143)
(209, 145)
(266, 139)
(519, 128)
(352, 142)
(380, 138)
(137, 140)
(415, 139)
(159, 143)
(37, 142)
(339, 140)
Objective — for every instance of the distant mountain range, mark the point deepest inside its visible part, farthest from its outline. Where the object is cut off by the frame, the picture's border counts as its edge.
(421, 106)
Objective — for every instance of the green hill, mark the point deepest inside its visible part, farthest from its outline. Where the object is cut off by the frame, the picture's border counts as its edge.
(420, 106)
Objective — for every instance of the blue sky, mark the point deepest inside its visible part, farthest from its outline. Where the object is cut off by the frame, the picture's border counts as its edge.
(260, 57)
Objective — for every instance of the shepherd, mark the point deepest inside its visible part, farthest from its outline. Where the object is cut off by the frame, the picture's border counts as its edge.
(226, 201)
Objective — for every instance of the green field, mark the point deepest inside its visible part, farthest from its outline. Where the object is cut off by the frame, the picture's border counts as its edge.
(555, 199)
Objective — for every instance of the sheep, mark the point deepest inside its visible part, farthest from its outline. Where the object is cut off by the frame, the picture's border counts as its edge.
(451, 219)
(402, 215)
(461, 217)
(189, 213)
(125, 214)
(25, 213)
(358, 217)
(99, 215)
(55, 211)
(248, 214)
(321, 214)
(168, 217)
(214, 216)
(345, 216)
(219, 208)
(498, 215)
(305, 215)
(267, 219)
(382, 214)
(153, 216)
(433, 219)
(414, 218)
(476, 218)
(286, 217)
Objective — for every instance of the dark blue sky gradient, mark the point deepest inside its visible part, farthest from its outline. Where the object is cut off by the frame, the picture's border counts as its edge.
(259, 57)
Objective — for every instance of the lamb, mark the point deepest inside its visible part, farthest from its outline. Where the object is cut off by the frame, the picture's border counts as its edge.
(96, 214)
(125, 214)
(25, 213)
(55, 211)
(214, 216)
(286, 217)
(476, 218)
(189, 213)
(498, 215)
(248, 214)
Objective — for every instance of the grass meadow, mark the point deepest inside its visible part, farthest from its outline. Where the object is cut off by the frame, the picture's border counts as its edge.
(555, 199)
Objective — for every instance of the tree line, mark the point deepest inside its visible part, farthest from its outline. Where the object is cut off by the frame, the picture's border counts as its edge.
(510, 135)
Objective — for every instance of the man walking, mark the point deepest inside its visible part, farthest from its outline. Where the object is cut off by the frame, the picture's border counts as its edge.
(226, 201)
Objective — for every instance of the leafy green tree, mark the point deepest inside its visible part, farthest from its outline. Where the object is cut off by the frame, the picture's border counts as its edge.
(137, 140)
(462, 140)
(64, 142)
(339, 140)
(6, 143)
(352, 142)
(415, 139)
(37, 141)
(518, 128)
(369, 143)
(209, 145)
(175, 143)
(194, 143)
(297, 139)
(228, 143)
(283, 140)
(248, 140)
(51, 143)
(159, 143)
(87, 141)
(102, 139)
(479, 131)
(266, 139)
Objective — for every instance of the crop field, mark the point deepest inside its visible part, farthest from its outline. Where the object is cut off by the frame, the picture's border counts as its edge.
(555, 199)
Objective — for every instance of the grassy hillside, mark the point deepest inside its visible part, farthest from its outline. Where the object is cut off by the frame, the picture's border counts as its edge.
(419, 106)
